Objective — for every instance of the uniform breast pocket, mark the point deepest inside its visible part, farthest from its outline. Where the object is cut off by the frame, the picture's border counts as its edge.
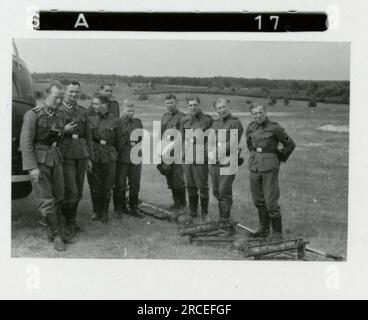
(266, 135)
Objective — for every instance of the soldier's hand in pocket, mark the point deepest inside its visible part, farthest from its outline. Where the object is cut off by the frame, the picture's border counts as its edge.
(35, 174)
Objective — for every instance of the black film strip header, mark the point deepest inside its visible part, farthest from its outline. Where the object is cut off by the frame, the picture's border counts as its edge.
(182, 21)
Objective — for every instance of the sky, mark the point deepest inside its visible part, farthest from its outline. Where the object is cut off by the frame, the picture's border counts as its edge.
(192, 58)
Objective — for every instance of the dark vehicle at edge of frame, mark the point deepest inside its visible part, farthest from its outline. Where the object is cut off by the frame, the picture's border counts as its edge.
(22, 101)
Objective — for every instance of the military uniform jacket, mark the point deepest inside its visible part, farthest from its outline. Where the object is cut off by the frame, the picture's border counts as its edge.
(113, 109)
(41, 131)
(171, 120)
(229, 123)
(126, 127)
(263, 141)
(77, 144)
(200, 121)
(106, 137)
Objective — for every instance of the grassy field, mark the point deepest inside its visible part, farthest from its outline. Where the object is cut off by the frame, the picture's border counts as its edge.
(314, 192)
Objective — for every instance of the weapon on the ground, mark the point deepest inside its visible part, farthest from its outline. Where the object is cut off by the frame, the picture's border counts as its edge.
(214, 231)
(223, 231)
(198, 229)
(258, 249)
(302, 246)
(156, 212)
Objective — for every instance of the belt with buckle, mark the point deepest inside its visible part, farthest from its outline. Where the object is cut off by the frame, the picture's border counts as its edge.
(102, 142)
(73, 136)
(264, 150)
(47, 143)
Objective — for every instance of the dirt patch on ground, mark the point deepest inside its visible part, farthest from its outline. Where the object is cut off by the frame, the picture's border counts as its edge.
(333, 128)
(310, 144)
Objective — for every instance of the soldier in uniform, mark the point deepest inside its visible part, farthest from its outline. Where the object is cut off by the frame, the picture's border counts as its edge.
(77, 150)
(222, 185)
(106, 139)
(196, 173)
(263, 140)
(106, 91)
(126, 170)
(42, 129)
(175, 177)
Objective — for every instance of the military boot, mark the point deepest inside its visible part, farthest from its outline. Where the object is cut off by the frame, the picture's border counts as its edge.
(76, 227)
(193, 206)
(105, 203)
(204, 209)
(124, 206)
(56, 235)
(182, 198)
(96, 204)
(71, 227)
(133, 204)
(276, 223)
(264, 221)
(67, 234)
(175, 205)
(117, 204)
(225, 219)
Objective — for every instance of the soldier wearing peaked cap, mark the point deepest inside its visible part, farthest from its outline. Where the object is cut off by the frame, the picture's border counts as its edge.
(42, 130)
(77, 150)
(106, 140)
(263, 139)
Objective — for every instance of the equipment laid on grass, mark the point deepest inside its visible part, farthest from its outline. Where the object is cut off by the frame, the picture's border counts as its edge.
(215, 231)
(155, 212)
(224, 231)
(299, 244)
(259, 249)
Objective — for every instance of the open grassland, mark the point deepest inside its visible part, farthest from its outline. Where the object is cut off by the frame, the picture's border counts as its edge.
(314, 192)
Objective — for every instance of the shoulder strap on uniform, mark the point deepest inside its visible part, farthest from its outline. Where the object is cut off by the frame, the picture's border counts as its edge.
(83, 107)
(37, 109)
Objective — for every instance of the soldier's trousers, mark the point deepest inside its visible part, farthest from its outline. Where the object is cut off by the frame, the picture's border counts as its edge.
(49, 190)
(74, 176)
(196, 176)
(175, 180)
(101, 182)
(127, 172)
(222, 188)
(265, 191)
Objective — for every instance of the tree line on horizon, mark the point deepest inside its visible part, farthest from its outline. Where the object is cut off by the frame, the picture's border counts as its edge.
(309, 89)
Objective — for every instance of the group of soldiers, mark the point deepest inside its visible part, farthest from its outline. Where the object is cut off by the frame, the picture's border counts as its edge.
(62, 142)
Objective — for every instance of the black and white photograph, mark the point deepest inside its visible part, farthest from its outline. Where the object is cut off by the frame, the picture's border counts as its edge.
(183, 155)
(102, 130)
